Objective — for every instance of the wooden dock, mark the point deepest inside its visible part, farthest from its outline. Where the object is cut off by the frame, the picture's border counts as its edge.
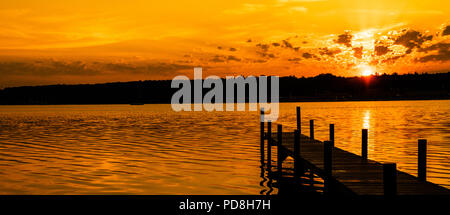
(343, 172)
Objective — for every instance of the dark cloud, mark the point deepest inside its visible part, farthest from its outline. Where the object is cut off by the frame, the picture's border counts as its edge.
(393, 59)
(307, 55)
(296, 59)
(232, 49)
(287, 44)
(233, 58)
(78, 68)
(381, 50)
(437, 46)
(46, 68)
(219, 47)
(412, 39)
(329, 52)
(446, 31)
(443, 52)
(264, 47)
(218, 59)
(441, 56)
(259, 61)
(357, 52)
(344, 39)
(275, 44)
(249, 40)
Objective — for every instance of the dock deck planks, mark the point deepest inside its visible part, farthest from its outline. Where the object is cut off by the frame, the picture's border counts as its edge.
(352, 172)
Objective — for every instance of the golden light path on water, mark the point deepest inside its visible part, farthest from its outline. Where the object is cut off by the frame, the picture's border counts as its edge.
(150, 149)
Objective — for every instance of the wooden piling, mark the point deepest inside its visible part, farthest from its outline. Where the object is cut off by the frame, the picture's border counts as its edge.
(299, 124)
(332, 134)
(262, 136)
(311, 129)
(269, 146)
(327, 165)
(364, 144)
(298, 169)
(279, 150)
(422, 160)
(390, 179)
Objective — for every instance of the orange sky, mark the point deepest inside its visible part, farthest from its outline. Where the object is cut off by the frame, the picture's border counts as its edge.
(51, 42)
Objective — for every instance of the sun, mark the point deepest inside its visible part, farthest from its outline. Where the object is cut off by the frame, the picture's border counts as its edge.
(367, 72)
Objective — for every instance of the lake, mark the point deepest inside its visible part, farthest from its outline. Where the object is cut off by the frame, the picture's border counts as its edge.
(149, 149)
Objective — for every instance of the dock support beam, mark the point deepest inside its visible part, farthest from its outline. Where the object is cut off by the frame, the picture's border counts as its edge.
(262, 136)
(332, 134)
(311, 129)
(299, 124)
(390, 179)
(422, 160)
(279, 143)
(364, 144)
(269, 146)
(327, 165)
(298, 166)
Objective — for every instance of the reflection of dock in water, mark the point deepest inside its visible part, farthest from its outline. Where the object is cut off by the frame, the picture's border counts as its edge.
(319, 167)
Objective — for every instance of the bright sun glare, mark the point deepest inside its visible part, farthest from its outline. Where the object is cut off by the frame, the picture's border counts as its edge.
(367, 72)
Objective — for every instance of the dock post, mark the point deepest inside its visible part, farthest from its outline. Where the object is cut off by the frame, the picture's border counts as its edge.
(299, 124)
(279, 143)
(364, 144)
(311, 129)
(269, 145)
(422, 160)
(332, 134)
(262, 136)
(390, 179)
(327, 165)
(298, 167)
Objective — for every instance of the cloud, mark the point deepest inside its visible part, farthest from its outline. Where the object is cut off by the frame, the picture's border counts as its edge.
(233, 58)
(232, 49)
(329, 52)
(307, 55)
(46, 68)
(296, 59)
(446, 31)
(443, 52)
(217, 59)
(357, 52)
(264, 47)
(442, 55)
(287, 44)
(438, 46)
(344, 39)
(381, 50)
(78, 68)
(412, 39)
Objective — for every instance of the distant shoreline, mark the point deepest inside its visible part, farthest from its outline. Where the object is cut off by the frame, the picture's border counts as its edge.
(287, 101)
(322, 88)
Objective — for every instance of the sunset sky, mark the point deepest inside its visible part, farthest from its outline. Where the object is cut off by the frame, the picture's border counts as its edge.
(53, 42)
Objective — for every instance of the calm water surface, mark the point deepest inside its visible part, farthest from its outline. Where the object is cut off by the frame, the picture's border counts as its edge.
(149, 149)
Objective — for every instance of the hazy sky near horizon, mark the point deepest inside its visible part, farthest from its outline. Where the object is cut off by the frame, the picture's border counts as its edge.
(52, 42)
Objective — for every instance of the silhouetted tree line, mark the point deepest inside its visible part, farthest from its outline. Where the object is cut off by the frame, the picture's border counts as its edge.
(324, 87)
